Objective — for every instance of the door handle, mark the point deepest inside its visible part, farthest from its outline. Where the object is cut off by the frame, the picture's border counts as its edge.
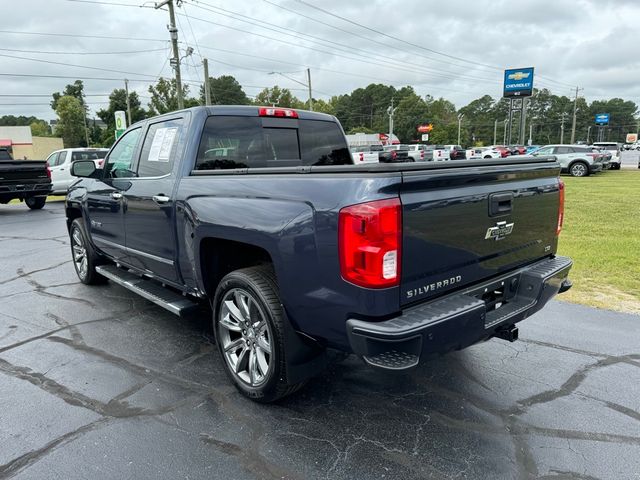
(161, 199)
(116, 195)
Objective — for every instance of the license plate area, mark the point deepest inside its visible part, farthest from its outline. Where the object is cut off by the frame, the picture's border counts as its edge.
(499, 293)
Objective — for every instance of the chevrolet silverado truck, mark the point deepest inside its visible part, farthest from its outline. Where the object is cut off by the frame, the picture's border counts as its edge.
(260, 213)
(24, 180)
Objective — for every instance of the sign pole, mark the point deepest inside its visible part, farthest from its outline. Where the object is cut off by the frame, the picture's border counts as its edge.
(510, 121)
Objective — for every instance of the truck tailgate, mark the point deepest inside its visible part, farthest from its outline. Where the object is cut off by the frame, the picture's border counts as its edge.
(463, 225)
(20, 171)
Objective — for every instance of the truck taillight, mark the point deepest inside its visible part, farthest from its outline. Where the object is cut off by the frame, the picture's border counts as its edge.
(421, 154)
(394, 154)
(560, 208)
(277, 112)
(48, 169)
(361, 157)
(370, 240)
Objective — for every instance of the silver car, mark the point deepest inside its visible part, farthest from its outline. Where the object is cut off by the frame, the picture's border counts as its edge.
(577, 160)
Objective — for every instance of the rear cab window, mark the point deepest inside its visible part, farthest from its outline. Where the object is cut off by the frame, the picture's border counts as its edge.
(230, 142)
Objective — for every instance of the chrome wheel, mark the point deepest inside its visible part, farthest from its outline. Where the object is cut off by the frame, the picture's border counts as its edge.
(79, 253)
(579, 170)
(245, 337)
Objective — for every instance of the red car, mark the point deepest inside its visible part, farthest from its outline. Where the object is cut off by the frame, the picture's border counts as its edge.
(504, 151)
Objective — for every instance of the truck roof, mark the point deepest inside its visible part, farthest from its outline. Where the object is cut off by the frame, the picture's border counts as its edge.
(245, 111)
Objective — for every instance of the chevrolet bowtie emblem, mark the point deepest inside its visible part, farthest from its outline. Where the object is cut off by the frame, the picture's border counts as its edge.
(501, 230)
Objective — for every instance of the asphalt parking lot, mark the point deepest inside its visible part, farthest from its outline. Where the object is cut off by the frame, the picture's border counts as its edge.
(98, 383)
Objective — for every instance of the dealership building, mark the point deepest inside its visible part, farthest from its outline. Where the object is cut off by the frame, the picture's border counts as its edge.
(23, 145)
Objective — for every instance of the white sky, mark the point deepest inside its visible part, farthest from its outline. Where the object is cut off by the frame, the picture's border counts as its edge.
(590, 43)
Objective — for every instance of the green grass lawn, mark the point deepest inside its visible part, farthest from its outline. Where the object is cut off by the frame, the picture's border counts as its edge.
(602, 235)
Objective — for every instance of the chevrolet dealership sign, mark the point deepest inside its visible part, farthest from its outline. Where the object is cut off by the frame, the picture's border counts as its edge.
(518, 82)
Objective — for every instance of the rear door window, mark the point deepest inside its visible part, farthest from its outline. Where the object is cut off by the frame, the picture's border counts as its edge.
(255, 142)
(563, 150)
(159, 148)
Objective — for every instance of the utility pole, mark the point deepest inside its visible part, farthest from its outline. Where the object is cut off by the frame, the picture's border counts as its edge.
(562, 129)
(459, 125)
(175, 62)
(504, 140)
(391, 111)
(309, 85)
(84, 117)
(530, 142)
(495, 131)
(126, 91)
(573, 124)
(207, 87)
(523, 122)
(589, 135)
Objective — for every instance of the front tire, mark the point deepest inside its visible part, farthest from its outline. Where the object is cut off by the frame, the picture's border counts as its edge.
(35, 203)
(579, 169)
(84, 257)
(249, 326)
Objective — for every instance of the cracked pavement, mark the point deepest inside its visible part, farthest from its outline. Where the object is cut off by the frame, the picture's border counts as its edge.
(96, 382)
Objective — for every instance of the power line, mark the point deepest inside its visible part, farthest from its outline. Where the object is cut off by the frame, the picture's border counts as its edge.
(72, 35)
(49, 94)
(119, 4)
(130, 52)
(493, 67)
(74, 65)
(377, 64)
(349, 49)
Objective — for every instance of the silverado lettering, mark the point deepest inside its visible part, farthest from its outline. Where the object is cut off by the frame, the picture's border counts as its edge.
(434, 286)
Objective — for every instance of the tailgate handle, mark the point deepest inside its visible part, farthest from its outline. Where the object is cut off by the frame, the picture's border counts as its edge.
(500, 204)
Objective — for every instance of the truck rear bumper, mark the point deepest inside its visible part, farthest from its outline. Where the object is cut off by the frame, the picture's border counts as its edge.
(459, 320)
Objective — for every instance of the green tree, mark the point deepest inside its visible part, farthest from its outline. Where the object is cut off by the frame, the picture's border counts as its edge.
(323, 106)
(75, 89)
(117, 101)
(40, 128)
(20, 121)
(164, 97)
(360, 129)
(70, 124)
(225, 90)
(280, 97)
(412, 111)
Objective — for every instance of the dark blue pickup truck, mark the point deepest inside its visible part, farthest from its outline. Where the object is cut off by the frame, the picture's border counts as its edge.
(261, 213)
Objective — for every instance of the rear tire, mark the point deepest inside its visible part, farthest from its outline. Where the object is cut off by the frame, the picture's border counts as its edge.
(35, 203)
(84, 257)
(579, 169)
(249, 326)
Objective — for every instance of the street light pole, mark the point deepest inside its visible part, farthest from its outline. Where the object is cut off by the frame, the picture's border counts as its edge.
(504, 140)
(459, 125)
(495, 131)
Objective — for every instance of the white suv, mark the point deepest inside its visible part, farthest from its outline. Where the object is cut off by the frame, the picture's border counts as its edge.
(60, 165)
